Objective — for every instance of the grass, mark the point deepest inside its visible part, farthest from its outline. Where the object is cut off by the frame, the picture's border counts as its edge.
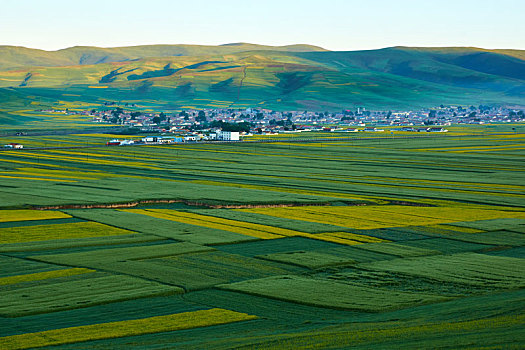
(42, 276)
(63, 243)
(13, 266)
(447, 246)
(290, 224)
(312, 291)
(491, 224)
(502, 238)
(185, 320)
(347, 238)
(310, 260)
(375, 217)
(249, 229)
(103, 257)
(180, 231)
(87, 290)
(58, 231)
(179, 264)
(267, 174)
(467, 268)
(280, 245)
(273, 77)
(253, 230)
(397, 249)
(454, 334)
(371, 240)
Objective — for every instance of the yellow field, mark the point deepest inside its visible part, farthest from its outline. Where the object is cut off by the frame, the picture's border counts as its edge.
(374, 217)
(34, 178)
(250, 229)
(185, 320)
(26, 215)
(44, 174)
(456, 228)
(58, 231)
(84, 159)
(39, 276)
(448, 214)
(282, 189)
(348, 238)
(244, 228)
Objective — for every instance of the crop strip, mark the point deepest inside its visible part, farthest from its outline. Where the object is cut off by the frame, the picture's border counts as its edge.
(195, 219)
(42, 276)
(168, 323)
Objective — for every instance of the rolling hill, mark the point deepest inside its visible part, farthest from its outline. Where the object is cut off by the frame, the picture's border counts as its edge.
(289, 77)
(12, 57)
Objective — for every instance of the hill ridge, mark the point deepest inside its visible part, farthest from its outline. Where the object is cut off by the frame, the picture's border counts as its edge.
(244, 75)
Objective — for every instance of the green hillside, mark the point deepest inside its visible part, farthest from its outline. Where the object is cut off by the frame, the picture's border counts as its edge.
(15, 57)
(290, 77)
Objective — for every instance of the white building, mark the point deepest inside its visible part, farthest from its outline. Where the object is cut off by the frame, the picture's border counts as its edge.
(228, 135)
(150, 139)
(14, 145)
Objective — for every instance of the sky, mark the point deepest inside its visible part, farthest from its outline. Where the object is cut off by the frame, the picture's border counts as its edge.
(332, 24)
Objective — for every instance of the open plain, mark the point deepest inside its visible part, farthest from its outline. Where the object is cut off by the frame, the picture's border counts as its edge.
(384, 242)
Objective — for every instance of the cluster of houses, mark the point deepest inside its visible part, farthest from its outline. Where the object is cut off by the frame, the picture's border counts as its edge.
(236, 136)
(433, 129)
(269, 121)
(159, 140)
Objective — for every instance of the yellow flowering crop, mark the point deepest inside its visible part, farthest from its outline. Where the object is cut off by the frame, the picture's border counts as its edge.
(168, 323)
(348, 238)
(248, 229)
(25, 215)
(43, 275)
(374, 217)
(58, 231)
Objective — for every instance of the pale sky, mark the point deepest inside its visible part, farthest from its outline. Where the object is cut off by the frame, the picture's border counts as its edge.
(332, 24)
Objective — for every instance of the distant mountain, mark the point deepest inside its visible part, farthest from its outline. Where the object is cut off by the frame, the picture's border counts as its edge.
(15, 57)
(287, 77)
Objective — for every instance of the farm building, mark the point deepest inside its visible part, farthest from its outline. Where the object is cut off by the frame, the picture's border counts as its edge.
(437, 130)
(150, 139)
(14, 145)
(114, 142)
(228, 135)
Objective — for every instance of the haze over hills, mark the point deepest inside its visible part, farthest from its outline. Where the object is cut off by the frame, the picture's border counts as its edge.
(285, 77)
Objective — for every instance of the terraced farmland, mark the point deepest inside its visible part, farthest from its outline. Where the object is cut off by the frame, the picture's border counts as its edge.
(392, 243)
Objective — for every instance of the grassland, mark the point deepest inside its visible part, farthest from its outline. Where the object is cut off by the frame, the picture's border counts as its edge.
(379, 243)
(312, 291)
(42, 276)
(157, 324)
(293, 77)
(57, 231)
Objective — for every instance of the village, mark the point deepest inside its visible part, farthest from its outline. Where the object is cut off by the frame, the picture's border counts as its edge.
(268, 122)
(234, 125)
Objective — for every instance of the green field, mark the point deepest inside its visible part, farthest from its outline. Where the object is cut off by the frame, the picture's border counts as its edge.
(363, 243)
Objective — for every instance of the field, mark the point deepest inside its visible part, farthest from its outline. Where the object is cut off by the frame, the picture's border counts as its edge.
(365, 243)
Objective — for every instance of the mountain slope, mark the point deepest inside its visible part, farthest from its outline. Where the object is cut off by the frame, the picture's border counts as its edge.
(460, 67)
(397, 77)
(12, 57)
